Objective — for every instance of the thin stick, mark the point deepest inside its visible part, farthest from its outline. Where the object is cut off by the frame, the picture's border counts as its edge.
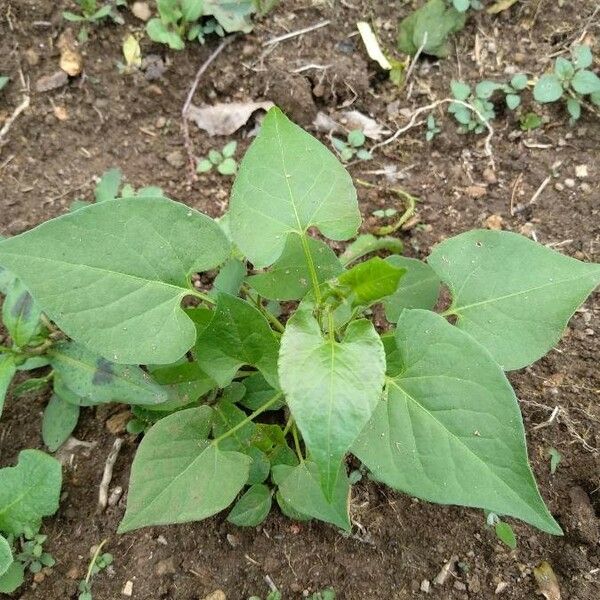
(293, 34)
(412, 122)
(94, 559)
(413, 62)
(186, 106)
(108, 473)
(521, 207)
(23, 106)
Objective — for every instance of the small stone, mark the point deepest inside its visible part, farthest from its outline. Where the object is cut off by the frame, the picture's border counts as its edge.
(581, 171)
(500, 587)
(248, 50)
(559, 186)
(60, 112)
(570, 183)
(175, 159)
(494, 222)
(586, 188)
(474, 584)
(232, 540)
(216, 595)
(445, 571)
(51, 82)
(425, 586)
(476, 191)
(460, 586)
(160, 122)
(117, 423)
(490, 176)
(165, 567)
(154, 90)
(115, 496)
(32, 57)
(161, 539)
(141, 10)
(127, 589)
(39, 577)
(73, 573)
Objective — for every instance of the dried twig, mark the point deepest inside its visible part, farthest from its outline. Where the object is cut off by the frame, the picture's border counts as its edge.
(184, 120)
(413, 62)
(293, 34)
(19, 109)
(521, 207)
(108, 473)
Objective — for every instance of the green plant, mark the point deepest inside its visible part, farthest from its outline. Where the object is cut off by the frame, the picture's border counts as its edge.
(98, 563)
(424, 403)
(530, 121)
(181, 20)
(555, 459)
(432, 128)
(571, 80)
(504, 532)
(28, 492)
(92, 13)
(3, 81)
(429, 28)
(352, 146)
(464, 5)
(326, 594)
(223, 161)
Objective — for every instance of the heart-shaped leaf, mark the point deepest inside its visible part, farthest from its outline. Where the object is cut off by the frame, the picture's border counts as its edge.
(252, 508)
(112, 275)
(450, 430)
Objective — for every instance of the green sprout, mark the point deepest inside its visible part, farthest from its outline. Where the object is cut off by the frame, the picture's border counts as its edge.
(98, 563)
(352, 146)
(223, 161)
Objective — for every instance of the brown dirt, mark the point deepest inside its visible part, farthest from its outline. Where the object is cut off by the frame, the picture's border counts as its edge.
(128, 121)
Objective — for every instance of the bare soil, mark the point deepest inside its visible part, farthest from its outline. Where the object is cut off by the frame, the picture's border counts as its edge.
(132, 122)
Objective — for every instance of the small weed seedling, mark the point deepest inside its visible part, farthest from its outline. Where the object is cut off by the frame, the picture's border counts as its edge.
(352, 146)
(223, 161)
(98, 563)
(504, 532)
(555, 459)
(92, 12)
(3, 81)
(432, 128)
(30, 491)
(530, 121)
(422, 401)
(570, 80)
(181, 20)
(326, 594)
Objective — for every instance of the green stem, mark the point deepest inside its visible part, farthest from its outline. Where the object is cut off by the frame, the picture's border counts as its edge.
(288, 426)
(93, 561)
(267, 314)
(6, 350)
(203, 296)
(311, 267)
(248, 419)
(297, 443)
(407, 214)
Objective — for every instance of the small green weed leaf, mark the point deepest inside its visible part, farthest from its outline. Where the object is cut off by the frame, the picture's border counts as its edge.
(252, 508)
(215, 157)
(356, 138)
(574, 108)
(366, 243)
(174, 473)
(517, 314)
(301, 490)
(460, 90)
(461, 5)
(29, 491)
(96, 380)
(595, 98)
(363, 154)
(485, 89)
(7, 372)
(513, 101)
(34, 384)
(372, 280)
(258, 391)
(229, 149)
(289, 278)
(548, 89)
(227, 167)
(586, 82)
(519, 81)
(13, 578)
(331, 387)
(6, 557)
(204, 166)
(450, 430)
(237, 335)
(419, 288)
(555, 459)
(530, 121)
(191, 10)
(563, 68)
(230, 278)
(101, 13)
(231, 16)
(260, 467)
(506, 534)
(287, 182)
(227, 415)
(159, 32)
(112, 275)
(35, 362)
(582, 56)
(73, 17)
(3, 81)
(20, 313)
(59, 421)
(108, 186)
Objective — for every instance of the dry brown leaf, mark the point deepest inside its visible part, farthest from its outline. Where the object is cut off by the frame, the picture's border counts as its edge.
(499, 6)
(71, 61)
(225, 119)
(546, 581)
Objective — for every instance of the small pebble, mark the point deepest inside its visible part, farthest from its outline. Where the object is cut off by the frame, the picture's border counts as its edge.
(559, 186)
(425, 586)
(39, 577)
(128, 589)
(175, 159)
(490, 176)
(216, 595)
(161, 539)
(459, 585)
(581, 171)
(500, 587)
(141, 10)
(586, 188)
(570, 183)
(160, 122)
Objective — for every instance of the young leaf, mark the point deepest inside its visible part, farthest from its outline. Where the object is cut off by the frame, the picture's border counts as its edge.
(252, 508)
(371, 280)
(229, 149)
(519, 81)
(485, 89)
(548, 89)
(513, 101)
(7, 372)
(555, 458)
(506, 534)
(582, 56)
(6, 557)
(586, 82)
(230, 278)
(289, 277)
(574, 108)
(419, 288)
(227, 167)
(563, 68)
(450, 430)
(158, 32)
(174, 473)
(331, 387)
(112, 275)
(287, 182)
(13, 578)
(59, 421)
(356, 138)
(96, 380)
(33, 384)
(204, 166)
(29, 491)
(227, 416)
(237, 335)
(300, 489)
(366, 243)
(20, 313)
(108, 186)
(258, 391)
(518, 314)
(260, 467)
(460, 90)
(191, 10)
